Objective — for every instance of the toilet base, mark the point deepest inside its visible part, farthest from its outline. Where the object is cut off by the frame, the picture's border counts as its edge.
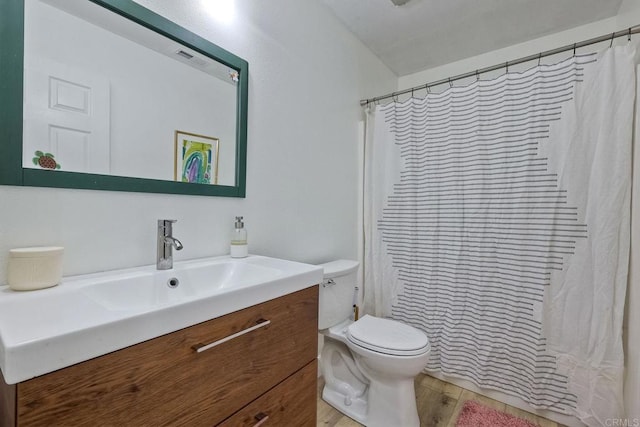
(356, 410)
(392, 404)
(383, 405)
(371, 397)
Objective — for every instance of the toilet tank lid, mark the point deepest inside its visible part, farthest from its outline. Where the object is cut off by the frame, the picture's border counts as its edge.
(339, 268)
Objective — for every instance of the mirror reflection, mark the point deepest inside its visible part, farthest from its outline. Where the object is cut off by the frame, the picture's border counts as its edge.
(107, 96)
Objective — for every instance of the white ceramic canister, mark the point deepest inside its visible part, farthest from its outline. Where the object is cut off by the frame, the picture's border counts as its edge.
(35, 268)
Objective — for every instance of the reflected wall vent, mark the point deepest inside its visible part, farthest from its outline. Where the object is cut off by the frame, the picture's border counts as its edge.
(185, 55)
(193, 59)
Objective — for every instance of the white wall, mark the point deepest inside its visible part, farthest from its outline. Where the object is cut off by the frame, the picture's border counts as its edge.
(628, 16)
(307, 74)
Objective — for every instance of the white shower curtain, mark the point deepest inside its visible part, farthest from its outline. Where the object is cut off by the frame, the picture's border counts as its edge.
(497, 220)
(632, 312)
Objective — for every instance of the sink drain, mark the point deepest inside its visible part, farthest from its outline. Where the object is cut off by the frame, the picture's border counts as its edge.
(173, 282)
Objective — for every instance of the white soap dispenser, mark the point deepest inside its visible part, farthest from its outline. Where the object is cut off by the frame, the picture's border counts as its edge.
(239, 247)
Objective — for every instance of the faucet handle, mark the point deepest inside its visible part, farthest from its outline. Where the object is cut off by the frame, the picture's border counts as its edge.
(163, 222)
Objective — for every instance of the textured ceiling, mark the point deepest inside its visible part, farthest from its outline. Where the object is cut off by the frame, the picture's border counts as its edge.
(427, 33)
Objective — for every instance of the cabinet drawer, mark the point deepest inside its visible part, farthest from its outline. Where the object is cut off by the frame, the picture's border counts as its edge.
(290, 403)
(165, 381)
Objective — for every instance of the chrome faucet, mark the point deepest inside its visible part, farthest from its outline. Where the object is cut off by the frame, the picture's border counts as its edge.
(166, 243)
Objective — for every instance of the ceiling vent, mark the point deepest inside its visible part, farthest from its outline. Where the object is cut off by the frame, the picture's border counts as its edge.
(399, 2)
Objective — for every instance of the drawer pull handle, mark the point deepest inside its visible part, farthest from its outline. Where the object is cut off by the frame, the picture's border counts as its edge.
(202, 347)
(261, 418)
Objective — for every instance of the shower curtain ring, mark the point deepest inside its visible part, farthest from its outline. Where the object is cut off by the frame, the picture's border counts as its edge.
(477, 75)
(506, 66)
(428, 88)
(539, 58)
(629, 36)
(450, 84)
(574, 49)
(613, 35)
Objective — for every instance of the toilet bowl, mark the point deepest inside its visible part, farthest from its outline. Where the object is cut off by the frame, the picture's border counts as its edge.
(369, 364)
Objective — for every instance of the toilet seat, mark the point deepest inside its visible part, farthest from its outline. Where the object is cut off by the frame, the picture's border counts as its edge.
(387, 336)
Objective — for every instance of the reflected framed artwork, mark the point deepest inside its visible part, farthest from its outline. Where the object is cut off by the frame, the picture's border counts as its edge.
(196, 158)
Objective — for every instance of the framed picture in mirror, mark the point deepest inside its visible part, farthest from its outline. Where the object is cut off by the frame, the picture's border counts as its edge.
(196, 158)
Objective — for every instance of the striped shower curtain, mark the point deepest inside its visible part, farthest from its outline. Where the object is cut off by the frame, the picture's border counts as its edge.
(497, 221)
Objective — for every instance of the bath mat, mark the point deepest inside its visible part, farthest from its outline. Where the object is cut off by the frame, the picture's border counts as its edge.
(474, 414)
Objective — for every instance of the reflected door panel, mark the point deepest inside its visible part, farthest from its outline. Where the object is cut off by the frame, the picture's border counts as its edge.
(66, 119)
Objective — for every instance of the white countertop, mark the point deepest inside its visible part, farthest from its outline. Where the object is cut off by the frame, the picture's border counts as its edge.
(90, 315)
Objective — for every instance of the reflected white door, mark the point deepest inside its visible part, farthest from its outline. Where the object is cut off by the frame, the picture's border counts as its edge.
(66, 114)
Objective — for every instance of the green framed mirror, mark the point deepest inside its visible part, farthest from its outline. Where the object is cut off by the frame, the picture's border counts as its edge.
(108, 95)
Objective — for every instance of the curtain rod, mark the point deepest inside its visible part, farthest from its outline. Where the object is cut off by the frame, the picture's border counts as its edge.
(632, 30)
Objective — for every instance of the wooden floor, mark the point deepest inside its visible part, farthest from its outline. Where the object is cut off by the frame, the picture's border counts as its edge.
(439, 404)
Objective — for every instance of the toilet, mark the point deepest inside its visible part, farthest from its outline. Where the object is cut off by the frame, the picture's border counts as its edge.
(368, 365)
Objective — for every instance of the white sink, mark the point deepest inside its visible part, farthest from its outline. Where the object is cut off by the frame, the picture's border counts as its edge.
(187, 281)
(91, 315)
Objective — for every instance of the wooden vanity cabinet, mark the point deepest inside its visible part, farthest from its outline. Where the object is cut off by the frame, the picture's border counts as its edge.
(265, 375)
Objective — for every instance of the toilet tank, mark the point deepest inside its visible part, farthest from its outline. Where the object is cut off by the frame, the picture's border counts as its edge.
(337, 292)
